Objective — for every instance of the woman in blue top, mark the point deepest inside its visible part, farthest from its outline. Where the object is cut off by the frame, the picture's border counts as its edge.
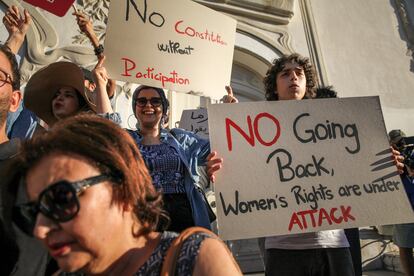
(172, 156)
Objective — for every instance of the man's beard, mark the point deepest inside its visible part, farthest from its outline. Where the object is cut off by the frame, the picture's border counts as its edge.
(4, 107)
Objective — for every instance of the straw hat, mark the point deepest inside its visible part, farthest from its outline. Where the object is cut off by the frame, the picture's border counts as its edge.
(44, 84)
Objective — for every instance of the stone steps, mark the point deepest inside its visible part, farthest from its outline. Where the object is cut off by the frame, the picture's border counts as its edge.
(380, 256)
(378, 251)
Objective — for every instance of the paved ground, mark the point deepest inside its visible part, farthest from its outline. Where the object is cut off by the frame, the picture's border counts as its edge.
(381, 273)
(366, 273)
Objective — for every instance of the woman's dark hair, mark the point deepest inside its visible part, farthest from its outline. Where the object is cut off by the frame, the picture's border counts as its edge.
(83, 105)
(14, 66)
(111, 150)
(277, 67)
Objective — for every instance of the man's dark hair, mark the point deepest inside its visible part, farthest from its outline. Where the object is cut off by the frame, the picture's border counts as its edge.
(277, 67)
(326, 92)
(14, 66)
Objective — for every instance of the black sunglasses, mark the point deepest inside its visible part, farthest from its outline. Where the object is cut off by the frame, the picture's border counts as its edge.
(58, 202)
(142, 101)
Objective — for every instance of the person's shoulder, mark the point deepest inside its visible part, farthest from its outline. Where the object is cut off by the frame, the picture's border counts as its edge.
(179, 131)
(134, 134)
(9, 149)
(215, 258)
(182, 134)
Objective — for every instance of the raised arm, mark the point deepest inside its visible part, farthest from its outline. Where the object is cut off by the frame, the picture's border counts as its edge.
(229, 98)
(86, 26)
(17, 25)
(100, 75)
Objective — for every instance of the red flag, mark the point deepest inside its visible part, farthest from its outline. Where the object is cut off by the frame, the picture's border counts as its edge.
(57, 7)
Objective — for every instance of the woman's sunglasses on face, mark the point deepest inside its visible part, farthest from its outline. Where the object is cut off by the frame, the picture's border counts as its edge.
(142, 101)
(59, 202)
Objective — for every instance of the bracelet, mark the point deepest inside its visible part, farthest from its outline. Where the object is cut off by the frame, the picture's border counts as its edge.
(99, 50)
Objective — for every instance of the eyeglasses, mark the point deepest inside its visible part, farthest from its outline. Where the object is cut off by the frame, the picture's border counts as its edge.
(5, 78)
(58, 202)
(155, 102)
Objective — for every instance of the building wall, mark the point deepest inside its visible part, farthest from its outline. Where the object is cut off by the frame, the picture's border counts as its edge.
(366, 53)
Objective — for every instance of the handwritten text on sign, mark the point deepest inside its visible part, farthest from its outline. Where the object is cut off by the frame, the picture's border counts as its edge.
(179, 45)
(195, 120)
(304, 166)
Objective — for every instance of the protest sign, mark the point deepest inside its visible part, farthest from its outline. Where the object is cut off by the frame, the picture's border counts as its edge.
(304, 166)
(195, 120)
(57, 7)
(178, 45)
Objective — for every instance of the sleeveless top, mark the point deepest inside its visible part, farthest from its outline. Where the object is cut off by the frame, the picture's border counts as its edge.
(186, 259)
(185, 262)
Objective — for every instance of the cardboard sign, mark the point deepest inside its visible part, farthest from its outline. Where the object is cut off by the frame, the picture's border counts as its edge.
(178, 45)
(304, 166)
(195, 120)
(57, 7)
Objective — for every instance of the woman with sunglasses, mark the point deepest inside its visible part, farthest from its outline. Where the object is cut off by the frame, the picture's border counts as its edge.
(93, 205)
(172, 156)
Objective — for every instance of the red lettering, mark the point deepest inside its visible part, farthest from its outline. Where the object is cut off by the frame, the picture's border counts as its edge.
(301, 219)
(295, 220)
(176, 27)
(332, 215)
(323, 215)
(346, 213)
(126, 68)
(193, 32)
(249, 138)
(311, 214)
(163, 80)
(256, 129)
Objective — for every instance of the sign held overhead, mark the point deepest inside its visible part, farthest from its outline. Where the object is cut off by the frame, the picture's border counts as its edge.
(178, 45)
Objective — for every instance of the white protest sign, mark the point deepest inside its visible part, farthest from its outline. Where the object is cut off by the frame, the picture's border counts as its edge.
(178, 45)
(195, 120)
(304, 166)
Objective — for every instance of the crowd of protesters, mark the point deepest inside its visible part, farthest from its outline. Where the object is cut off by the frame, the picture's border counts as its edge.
(82, 196)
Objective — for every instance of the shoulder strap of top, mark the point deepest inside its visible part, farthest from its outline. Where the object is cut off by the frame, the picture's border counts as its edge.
(170, 261)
